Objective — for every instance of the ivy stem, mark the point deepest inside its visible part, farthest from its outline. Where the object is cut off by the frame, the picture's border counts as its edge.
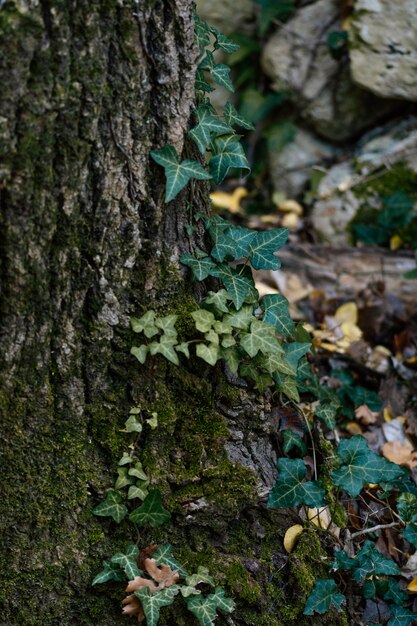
(313, 447)
(244, 265)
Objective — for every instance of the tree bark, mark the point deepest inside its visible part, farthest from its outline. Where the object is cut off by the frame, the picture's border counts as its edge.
(88, 90)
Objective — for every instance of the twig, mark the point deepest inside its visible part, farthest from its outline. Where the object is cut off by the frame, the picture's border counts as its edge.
(373, 529)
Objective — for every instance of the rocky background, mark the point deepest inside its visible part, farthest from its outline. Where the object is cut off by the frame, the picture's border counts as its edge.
(332, 88)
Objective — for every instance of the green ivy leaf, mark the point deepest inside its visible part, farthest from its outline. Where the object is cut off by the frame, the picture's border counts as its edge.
(151, 511)
(200, 82)
(132, 425)
(287, 385)
(327, 412)
(200, 267)
(137, 471)
(218, 299)
(290, 490)
(140, 352)
(223, 603)
(165, 347)
(207, 124)
(294, 351)
(126, 458)
(324, 597)
(163, 556)
(110, 572)
(410, 534)
(138, 491)
(233, 118)
(202, 576)
(152, 602)
(123, 478)
(275, 308)
(260, 338)
(128, 561)
(291, 440)
(227, 153)
(145, 324)
(242, 318)
(220, 74)
(209, 354)
(231, 357)
(222, 327)
(202, 32)
(223, 42)
(228, 341)
(212, 337)
(360, 465)
(237, 285)
(395, 593)
(203, 320)
(205, 608)
(262, 250)
(177, 174)
(343, 561)
(112, 506)
(371, 562)
(251, 370)
(407, 507)
(401, 616)
(183, 347)
(275, 363)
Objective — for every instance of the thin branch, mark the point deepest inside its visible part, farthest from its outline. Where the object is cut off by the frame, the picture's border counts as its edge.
(374, 529)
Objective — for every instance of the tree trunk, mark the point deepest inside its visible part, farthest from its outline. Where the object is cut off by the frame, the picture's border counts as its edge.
(88, 90)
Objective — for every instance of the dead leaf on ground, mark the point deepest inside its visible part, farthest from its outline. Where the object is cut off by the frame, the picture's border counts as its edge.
(229, 201)
(291, 536)
(132, 606)
(412, 586)
(161, 574)
(400, 453)
(409, 570)
(320, 516)
(364, 414)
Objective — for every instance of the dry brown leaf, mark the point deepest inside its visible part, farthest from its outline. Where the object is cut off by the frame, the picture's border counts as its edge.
(291, 536)
(132, 606)
(163, 574)
(412, 586)
(139, 583)
(400, 453)
(353, 428)
(146, 553)
(365, 415)
(320, 517)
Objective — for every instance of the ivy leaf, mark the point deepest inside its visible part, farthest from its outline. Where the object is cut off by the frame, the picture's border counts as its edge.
(287, 385)
(260, 338)
(207, 124)
(151, 511)
(200, 267)
(152, 602)
(202, 576)
(140, 352)
(112, 506)
(266, 243)
(137, 471)
(401, 616)
(126, 458)
(182, 347)
(410, 534)
(324, 597)
(275, 363)
(200, 82)
(228, 341)
(166, 348)
(212, 337)
(361, 465)
(222, 601)
(138, 491)
(205, 608)
(132, 425)
(209, 354)
(145, 324)
(203, 320)
(220, 75)
(237, 285)
(291, 440)
(395, 593)
(123, 478)
(227, 153)
(371, 561)
(163, 556)
(108, 573)
(343, 561)
(177, 174)
(167, 324)
(222, 328)
(275, 308)
(294, 352)
(327, 412)
(251, 370)
(407, 507)
(128, 561)
(218, 299)
(242, 318)
(233, 118)
(290, 490)
(202, 32)
(223, 42)
(231, 357)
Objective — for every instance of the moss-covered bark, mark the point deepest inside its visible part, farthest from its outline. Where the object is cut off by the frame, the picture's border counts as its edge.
(88, 89)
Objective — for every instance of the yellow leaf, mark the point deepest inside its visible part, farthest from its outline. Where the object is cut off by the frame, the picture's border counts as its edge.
(291, 536)
(347, 313)
(229, 201)
(388, 416)
(320, 516)
(395, 242)
(353, 428)
(412, 586)
(351, 331)
(290, 220)
(291, 206)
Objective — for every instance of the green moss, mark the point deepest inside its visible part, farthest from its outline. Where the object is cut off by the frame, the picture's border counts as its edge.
(399, 177)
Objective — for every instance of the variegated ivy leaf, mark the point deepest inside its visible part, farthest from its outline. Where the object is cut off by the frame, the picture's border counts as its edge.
(139, 491)
(260, 338)
(208, 124)
(109, 572)
(165, 347)
(203, 319)
(123, 478)
(290, 490)
(252, 370)
(324, 597)
(132, 425)
(228, 341)
(287, 385)
(145, 324)
(128, 561)
(238, 285)
(140, 352)
(153, 421)
(202, 32)
(275, 308)
(177, 174)
(212, 337)
(187, 591)
(291, 440)
(218, 299)
(223, 327)
(360, 466)
(152, 602)
(163, 555)
(231, 357)
(294, 351)
(126, 458)
(205, 608)
(233, 118)
(202, 576)
(200, 267)
(227, 153)
(151, 511)
(137, 471)
(183, 347)
(167, 324)
(209, 353)
(241, 319)
(223, 42)
(223, 603)
(276, 363)
(220, 74)
(264, 246)
(327, 412)
(112, 506)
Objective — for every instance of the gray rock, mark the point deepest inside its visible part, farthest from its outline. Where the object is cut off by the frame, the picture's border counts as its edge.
(290, 168)
(228, 15)
(297, 59)
(384, 47)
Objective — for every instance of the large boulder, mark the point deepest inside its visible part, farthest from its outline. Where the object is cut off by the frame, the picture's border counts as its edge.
(298, 60)
(384, 47)
(228, 15)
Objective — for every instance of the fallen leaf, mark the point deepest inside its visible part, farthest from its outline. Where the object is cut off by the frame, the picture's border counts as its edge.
(401, 454)
(162, 574)
(229, 201)
(395, 242)
(347, 313)
(365, 415)
(409, 570)
(320, 516)
(291, 536)
(353, 428)
(412, 586)
(290, 220)
(291, 206)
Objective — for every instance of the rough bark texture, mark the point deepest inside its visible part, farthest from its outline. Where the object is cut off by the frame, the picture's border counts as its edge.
(88, 89)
